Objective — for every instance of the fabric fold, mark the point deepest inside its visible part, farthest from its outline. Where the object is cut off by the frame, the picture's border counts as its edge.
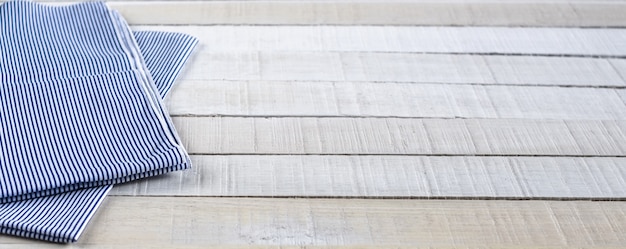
(80, 109)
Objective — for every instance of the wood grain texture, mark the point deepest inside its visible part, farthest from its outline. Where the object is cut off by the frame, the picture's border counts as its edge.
(404, 67)
(391, 176)
(240, 135)
(312, 12)
(184, 221)
(365, 99)
(622, 94)
(554, 71)
(501, 40)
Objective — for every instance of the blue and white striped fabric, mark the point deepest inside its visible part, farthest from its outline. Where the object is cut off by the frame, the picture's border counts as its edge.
(165, 54)
(62, 217)
(57, 218)
(79, 111)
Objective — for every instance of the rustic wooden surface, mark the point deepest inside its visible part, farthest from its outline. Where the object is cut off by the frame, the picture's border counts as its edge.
(385, 124)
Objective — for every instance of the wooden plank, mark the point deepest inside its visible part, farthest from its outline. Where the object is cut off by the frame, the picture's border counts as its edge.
(553, 71)
(334, 66)
(402, 67)
(484, 40)
(280, 98)
(397, 12)
(391, 176)
(374, 136)
(187, 221)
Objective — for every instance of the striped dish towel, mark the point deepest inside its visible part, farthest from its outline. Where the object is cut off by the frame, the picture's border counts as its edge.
(80, 110)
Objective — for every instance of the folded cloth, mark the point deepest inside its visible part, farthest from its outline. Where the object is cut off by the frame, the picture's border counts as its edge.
(79, 111)
(57, 218)
(62, 217)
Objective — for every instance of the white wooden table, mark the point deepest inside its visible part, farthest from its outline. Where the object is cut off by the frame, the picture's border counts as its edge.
(385, 124)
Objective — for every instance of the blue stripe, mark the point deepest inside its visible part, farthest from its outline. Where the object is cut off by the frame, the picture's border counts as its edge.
(80, 111)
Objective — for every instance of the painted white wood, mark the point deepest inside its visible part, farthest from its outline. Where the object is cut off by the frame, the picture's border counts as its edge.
(553, 71)
(284, 98)
(598, 137)
(377, 12)
(505, 40)
(390, 176)
(225, 222)
(622, 94)
(620, 66)
(241, 135)
(401, 67)
(333, 66)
